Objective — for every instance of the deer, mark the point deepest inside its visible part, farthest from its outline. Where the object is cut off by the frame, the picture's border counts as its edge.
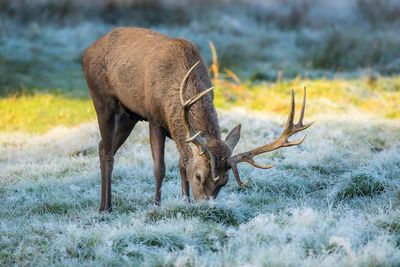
(136, 74)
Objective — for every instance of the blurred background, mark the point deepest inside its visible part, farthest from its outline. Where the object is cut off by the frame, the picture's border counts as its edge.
(347, 51)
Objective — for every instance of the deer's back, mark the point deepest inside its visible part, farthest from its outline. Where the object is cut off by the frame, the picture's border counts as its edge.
(142, 69)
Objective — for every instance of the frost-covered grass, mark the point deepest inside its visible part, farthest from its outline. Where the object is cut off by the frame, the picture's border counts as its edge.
(333, 201)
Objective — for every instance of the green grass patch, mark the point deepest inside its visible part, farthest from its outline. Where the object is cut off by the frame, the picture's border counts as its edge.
(170, 241)
(203, 212)
(361, 185)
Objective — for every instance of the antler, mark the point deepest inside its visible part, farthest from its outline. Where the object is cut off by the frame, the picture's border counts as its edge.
(191, 135)
(282, 141)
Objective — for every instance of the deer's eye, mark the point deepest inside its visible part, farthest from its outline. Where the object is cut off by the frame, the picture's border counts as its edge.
(198, 177)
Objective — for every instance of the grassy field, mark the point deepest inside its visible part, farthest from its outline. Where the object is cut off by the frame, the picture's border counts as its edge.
(378, 97)
(333, 201)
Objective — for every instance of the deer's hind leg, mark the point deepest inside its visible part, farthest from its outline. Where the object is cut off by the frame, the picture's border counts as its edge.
(115, 126)
(106, 110)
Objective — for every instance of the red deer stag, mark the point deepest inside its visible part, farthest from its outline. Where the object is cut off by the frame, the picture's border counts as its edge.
(136, 74)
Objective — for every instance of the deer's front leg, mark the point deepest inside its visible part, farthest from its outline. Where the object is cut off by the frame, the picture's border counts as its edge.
(157, 143)
(185, 182)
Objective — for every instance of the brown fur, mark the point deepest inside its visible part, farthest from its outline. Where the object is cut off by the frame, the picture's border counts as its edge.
(134, 74)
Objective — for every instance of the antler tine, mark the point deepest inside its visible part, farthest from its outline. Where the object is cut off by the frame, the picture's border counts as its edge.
(303, 107)
(300, 126)
(186, 104)
(191, 139)
(260, 166)
(237, 176)
(292, 112)
(282, 141)
(184, 82)
(185, 107)
(290, 127)
(194, 99)
(294, 143)
(233, 165)
(192, 136)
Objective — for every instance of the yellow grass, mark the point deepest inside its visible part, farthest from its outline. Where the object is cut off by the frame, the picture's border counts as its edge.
(380, 97)
(40, 112)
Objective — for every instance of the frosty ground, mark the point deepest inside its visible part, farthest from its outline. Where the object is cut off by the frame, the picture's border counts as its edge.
(333, 201)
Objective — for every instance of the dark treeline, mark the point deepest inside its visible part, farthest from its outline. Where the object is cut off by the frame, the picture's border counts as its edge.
(287, 14)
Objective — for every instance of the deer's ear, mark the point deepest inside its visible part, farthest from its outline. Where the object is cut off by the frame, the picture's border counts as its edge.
(233, 137)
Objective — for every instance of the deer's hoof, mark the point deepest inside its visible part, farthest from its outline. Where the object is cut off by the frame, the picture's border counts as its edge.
(105, 209)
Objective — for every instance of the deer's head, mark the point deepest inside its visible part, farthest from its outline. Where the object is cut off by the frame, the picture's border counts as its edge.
(212, 159)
